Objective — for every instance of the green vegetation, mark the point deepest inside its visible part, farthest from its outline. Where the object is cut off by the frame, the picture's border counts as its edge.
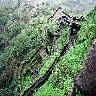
(61, 80)
(22, 41)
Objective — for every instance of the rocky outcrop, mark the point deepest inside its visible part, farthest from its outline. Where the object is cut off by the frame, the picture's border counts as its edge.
(86, 80)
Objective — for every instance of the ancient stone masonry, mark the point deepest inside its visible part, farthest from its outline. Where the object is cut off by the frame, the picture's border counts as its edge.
(73, 33)
(66, 20)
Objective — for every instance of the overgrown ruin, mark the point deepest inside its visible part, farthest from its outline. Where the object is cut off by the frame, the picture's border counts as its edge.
(42, 53)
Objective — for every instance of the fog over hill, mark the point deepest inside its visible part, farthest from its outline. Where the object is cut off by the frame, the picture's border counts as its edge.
(70, 6)
(42, 48)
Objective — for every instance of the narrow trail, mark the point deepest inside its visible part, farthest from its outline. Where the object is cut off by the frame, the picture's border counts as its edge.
(41, 81)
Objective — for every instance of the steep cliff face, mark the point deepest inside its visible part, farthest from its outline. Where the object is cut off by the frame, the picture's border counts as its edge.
(87, 78)
(73, 61)
(28, 53)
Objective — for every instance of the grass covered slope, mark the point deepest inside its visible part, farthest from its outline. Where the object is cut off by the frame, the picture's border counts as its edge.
(20, 60)
(61, 80)
(25, 60)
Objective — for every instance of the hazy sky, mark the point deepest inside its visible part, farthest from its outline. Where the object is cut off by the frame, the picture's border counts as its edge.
(71, 6)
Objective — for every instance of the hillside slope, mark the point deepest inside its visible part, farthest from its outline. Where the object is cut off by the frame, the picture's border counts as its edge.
(27, 53)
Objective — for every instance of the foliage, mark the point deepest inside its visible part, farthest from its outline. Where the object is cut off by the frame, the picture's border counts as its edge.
(25, 40)
(71, 64)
